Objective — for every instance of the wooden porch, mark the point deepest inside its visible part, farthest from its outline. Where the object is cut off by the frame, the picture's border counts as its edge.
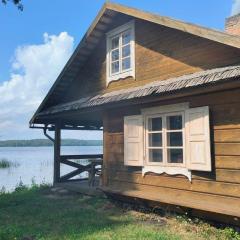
(89, 165)
(73, 181)
(82, 186)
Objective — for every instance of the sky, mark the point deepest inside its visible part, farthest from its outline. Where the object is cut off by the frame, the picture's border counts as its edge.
(37, 42)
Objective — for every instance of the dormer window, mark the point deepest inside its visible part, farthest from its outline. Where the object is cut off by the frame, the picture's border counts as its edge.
(120, 52)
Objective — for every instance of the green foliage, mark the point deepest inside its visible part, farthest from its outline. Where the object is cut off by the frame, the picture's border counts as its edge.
(230, 233)
(47, 142)
(206, 231)
(40, 213)
(20, 187)
(4, 163)
(16, 2)
(2, 190)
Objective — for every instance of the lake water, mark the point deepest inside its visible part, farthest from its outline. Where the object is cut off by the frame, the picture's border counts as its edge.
(36, 163)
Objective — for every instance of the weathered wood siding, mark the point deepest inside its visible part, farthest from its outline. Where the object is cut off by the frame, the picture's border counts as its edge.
(217, 191)
(161, 53)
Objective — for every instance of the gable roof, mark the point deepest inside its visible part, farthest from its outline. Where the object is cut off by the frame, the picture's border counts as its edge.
(97, 30)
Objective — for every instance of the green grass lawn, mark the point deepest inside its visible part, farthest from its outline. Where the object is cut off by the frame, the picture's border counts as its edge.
(41, 213)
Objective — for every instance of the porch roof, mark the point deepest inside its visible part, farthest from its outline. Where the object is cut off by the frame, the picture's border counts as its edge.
(203, 78)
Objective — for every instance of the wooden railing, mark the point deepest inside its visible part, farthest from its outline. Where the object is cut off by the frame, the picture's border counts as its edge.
(93, 166)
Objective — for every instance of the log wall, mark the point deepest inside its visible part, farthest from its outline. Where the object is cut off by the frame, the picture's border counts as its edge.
(217, 191)
(163, 53)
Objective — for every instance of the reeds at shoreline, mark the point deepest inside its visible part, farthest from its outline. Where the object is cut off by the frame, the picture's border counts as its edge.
(5, 163)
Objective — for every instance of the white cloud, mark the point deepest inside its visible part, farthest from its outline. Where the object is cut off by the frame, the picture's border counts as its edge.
(235, 7)
(34, 69)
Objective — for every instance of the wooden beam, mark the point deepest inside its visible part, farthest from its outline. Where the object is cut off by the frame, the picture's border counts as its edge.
(93, 40)
(57, 151)
(90, 46)
(101, 26)
(74, 173)
(75, 128)
(69, 163)
(106, 19)
(84, 51)
(97, 33)
(87, 156)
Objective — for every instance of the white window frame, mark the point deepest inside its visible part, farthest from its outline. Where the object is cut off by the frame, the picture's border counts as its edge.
(164, 140)
(130, 26)
(164, 166)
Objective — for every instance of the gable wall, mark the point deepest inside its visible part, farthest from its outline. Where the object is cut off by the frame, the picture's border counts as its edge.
(160, 53)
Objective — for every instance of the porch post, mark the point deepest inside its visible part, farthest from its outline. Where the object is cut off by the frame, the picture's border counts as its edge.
(57, 152)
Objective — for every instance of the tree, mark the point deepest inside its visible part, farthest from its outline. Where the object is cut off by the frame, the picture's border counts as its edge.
(16, 2)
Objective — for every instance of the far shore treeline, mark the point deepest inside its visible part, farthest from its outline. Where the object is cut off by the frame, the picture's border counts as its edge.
(46, 142)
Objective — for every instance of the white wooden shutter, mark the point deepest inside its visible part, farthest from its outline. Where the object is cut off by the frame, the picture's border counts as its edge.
(133, 140)
(198, 152)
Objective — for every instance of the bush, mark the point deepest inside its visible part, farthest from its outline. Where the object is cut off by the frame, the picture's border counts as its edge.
(20, 187)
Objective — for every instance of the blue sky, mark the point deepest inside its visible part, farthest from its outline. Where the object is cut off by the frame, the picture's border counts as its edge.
(54, 28)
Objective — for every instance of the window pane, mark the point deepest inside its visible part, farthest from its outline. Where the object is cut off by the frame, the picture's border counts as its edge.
(115, 42)
(174, 139)
(126, 64)
(155, 124)
(155, 155)
(126, 51)
(174, 122)
(115, 55)
(115, 67)
(175, 156)
(155, 139)
(126, 37)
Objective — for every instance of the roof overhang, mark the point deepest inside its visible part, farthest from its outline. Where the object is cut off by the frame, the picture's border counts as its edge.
(92, 104)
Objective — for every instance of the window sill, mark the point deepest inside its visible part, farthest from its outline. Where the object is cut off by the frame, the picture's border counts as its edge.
(168, 170)
(119, 76)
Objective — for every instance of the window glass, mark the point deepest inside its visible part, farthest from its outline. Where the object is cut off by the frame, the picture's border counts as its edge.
(115, 42)
(155, 139)
(175, 155)
(174, 139)
(115, 67)
(155, 124)
(120, 53)
(174, 122)
(115, 55)
(126, 51)
(126, 37)
(155, 155)
(165, 139)
(126, 63)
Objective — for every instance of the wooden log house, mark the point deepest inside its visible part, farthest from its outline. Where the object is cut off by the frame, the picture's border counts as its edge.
(166, 95)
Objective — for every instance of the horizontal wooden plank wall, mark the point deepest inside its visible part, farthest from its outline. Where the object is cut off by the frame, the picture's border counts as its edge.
(163, 52)
(217, 191)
